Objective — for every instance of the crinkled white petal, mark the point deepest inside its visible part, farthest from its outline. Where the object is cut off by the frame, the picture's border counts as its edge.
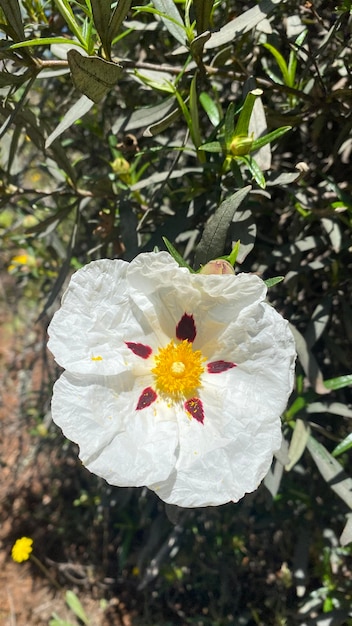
(87, 334)
(230, 453)
(164, 292)
(118, 443)
(109, 303)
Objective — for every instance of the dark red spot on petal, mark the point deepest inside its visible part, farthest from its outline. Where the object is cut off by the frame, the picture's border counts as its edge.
(139, 349)
(186, 328)
(147, 397)
(194, 407)
(216, 367)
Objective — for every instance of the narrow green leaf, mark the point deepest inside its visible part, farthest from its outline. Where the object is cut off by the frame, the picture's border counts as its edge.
(210, 107)
(298, 443)
(80, 108)
(76, 607)
(211, 245)
(292, 61)
(93, 76)
(117, 17)
(254, 170)
(45, 41)
(241, 24)
(331, 470)
(69, 17)
(343, 446)
(335, 408)
(12, 12)
(229, 123)
(339, 382)
(162, 124)
(202, 10)
(242, 125)
(270, 282)
(171, 18)
(280, 61)
(269, 138)
(101, 10)
(176, 255)
(193, 109)
(212, 146)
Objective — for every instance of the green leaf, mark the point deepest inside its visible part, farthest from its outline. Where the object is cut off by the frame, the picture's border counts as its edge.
(202, 10)
(101, 10)
(254, 170)
(80, 108)
(193, 109)
(12, 12)
(280, 61)
(241, 24)
(339, 382)
(210, 107)
(119, 14)
(93, 76)
(211, 245)
(170, 16)
(269, 138)
(176, 255)
(76, 607)
(270, 282)
(296, 406)
(343, 446)
(108, 22)
(45, 41)
(212, 146)
(331, 470)
(229, 123)
(69, 17)
(242, 125)
(298, 443)
(335, 408)
(292, 61)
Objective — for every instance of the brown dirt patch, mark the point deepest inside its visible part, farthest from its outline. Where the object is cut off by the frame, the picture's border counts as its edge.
(27, 598)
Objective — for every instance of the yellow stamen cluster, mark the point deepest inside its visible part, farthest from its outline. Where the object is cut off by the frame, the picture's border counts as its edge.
(178, 369)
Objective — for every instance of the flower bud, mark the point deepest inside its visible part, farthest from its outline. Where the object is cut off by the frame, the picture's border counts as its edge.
(122, 168)
(241, 145)
(218, 266)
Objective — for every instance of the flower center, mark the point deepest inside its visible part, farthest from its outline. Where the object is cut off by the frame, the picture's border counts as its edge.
(178, 369)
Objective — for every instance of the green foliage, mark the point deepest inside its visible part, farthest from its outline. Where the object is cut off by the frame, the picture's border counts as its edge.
(215, 131)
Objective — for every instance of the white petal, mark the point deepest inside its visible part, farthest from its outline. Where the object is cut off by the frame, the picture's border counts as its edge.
(118, 443)
(87, 334)
(226, 456)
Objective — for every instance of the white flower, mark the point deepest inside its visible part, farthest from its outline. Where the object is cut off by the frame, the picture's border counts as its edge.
(173, 380)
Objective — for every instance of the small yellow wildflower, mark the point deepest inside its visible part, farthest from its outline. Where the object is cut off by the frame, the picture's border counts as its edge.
(21, 549)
